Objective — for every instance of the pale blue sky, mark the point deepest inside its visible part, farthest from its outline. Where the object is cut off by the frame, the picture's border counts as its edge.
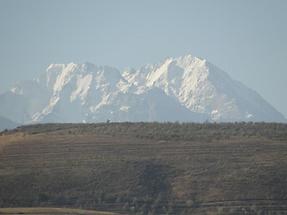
(246, 38)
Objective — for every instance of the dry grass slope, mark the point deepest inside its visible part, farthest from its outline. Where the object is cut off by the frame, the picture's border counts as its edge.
(147, 168)
(51, 211)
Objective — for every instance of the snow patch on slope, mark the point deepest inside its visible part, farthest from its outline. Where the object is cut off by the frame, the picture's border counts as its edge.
(65, 76)
(82, 87)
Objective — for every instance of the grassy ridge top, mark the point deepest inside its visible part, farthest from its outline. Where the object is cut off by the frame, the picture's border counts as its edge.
(175, 131)
(146, 168)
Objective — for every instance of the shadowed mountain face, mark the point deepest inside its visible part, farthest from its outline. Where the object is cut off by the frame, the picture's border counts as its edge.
(6, 123)
(147, 168)
(178, 89)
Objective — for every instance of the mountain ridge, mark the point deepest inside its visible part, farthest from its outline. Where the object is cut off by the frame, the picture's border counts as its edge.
(193, 89)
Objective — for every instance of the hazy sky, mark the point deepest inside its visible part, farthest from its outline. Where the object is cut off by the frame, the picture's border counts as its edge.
(246, 38)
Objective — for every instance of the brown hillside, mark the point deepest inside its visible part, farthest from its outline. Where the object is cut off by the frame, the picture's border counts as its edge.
(147, 168)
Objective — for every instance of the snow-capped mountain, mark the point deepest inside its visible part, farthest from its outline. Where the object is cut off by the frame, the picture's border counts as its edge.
(178, 89)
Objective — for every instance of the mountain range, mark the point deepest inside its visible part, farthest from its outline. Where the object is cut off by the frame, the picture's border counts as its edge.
(184, 89)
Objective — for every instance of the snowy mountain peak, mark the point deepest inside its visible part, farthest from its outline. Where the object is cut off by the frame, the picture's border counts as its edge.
(55, 67)
(185, 88)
